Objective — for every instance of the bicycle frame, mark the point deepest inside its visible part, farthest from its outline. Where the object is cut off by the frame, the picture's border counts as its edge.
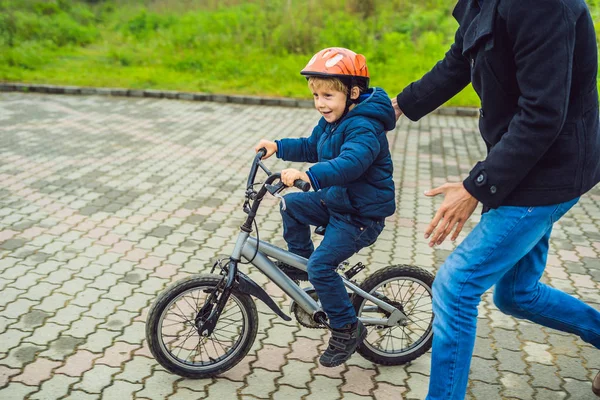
(246, 247)
(257, 252)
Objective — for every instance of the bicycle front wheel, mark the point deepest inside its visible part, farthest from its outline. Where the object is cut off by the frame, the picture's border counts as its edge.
(172, 333)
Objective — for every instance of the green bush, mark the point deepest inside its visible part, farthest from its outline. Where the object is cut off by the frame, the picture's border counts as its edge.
(145, 24)
(28, 56)
(49, 24)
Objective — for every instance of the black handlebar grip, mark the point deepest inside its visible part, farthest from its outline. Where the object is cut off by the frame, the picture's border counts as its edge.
(302, 185)
(262, 151)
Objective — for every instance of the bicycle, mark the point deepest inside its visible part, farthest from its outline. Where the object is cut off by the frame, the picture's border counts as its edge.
(212, 319)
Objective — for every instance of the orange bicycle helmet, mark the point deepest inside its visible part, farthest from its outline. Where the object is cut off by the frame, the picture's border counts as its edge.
(340, 63)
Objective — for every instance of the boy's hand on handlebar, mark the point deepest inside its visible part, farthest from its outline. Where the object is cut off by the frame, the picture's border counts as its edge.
(289, 176)
(267, 144)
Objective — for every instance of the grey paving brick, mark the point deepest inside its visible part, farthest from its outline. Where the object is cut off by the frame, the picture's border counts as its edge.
(571, 367)
(16, 390)
(81, 395)
(9, 295)
(96, 379)
(511, 361)
(545, 376)
(482, 390)
(121, 390)
(99, 340)
(53, 302)
(46, 334)
(158, 386)
(82, 327)
(67, 314)
(484, 370)
(531, 332)
(54, 388)
(137, 369)
(516, 386)
(418, 385)
(545, 394)
(484, 348)
(537, 353)
(578, 389)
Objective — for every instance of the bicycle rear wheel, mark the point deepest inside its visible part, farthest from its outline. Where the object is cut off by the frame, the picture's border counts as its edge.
(407, 288)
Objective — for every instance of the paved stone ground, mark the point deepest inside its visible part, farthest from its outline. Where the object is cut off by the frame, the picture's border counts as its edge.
(105, 201)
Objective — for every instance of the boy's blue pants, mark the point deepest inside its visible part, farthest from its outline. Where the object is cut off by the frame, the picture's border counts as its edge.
(343, 238)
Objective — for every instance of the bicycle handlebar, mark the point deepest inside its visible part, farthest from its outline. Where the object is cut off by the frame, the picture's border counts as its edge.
(257, 197)
(302, 185)
(298, 183)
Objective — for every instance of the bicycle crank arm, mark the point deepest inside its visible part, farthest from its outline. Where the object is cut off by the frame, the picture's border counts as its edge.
(248, 286)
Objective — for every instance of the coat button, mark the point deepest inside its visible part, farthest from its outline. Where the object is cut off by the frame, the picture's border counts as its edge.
(493, 189)
(481, 112)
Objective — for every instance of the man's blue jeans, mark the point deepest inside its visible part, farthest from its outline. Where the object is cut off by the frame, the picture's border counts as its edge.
(344, 237)
(507, 248)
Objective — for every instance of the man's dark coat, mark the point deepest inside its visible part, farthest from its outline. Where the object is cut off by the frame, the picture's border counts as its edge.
(534, 66)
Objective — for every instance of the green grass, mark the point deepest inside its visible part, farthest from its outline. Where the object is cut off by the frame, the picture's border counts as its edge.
(229, 46)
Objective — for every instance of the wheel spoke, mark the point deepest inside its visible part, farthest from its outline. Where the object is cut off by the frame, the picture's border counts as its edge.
(183, 317)
(186, 339)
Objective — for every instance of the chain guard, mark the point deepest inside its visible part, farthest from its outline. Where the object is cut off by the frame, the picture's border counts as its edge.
(305, 319)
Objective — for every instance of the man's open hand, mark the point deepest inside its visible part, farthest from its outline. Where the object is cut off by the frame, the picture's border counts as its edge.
(397, 109)
(457, 207)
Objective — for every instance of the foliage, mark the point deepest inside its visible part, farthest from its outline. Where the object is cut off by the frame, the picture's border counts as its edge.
(220, 46)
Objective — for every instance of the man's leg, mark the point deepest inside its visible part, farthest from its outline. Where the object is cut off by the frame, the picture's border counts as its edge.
(301, 211)
(502, 238)
(520, 293)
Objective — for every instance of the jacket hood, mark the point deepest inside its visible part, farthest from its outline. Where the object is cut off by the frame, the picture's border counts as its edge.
(377, 106)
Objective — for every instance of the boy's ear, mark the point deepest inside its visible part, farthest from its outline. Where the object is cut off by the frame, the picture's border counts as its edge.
(354, 93)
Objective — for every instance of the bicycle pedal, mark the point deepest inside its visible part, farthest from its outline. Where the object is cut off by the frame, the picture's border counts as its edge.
(354, 270)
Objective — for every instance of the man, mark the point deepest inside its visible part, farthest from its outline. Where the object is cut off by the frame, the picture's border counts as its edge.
(534, 66)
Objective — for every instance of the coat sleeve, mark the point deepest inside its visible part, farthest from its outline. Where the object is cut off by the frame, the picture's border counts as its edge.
(300, 149)
(358, 152)
(543, 54)
(444, 81)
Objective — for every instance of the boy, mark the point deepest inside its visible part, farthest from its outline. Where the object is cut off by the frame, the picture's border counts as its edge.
(352, 179)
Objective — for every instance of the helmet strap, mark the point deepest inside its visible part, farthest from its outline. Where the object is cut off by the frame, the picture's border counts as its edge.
(349, 100)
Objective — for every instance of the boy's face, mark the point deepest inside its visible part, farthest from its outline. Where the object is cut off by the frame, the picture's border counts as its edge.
(329, 102)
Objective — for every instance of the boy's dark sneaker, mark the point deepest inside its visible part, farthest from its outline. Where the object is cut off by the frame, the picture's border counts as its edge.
(343, 344)
(294, 273)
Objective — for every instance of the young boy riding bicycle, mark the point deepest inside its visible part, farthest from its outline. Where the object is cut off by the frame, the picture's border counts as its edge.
(352, 182)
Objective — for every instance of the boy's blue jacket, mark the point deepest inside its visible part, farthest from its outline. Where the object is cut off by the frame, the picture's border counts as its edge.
(352, 156)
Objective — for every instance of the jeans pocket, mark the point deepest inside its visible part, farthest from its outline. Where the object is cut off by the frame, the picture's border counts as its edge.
(368, 235)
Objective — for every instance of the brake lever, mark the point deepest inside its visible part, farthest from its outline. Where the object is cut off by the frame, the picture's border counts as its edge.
(275, 190)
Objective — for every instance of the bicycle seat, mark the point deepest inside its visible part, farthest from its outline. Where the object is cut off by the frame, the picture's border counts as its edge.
(320, 230)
